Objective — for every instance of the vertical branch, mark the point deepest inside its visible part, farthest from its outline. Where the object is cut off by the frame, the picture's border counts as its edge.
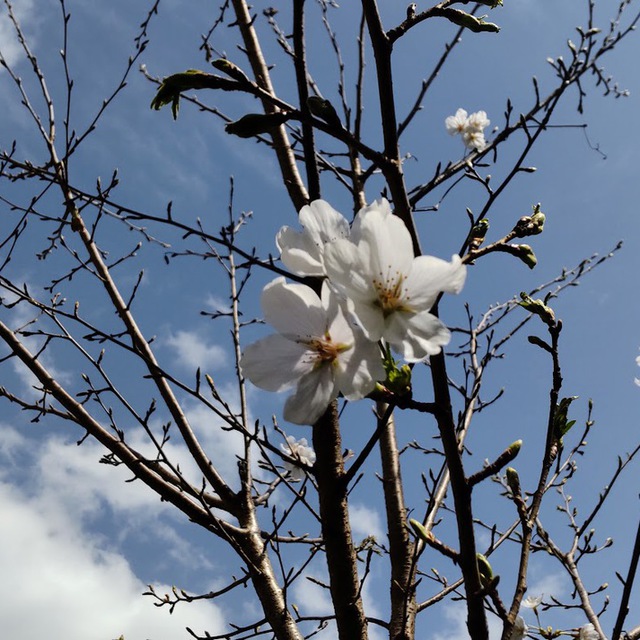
(550, 453)
(336, 530)
(300, 62)
(359, 199)
(476, 617)
(392, 170)
(628, 586)
(284, 153)
(401, 546)
(263, 578)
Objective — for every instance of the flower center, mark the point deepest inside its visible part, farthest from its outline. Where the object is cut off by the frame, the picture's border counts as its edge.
(392, 294)
(324, 350)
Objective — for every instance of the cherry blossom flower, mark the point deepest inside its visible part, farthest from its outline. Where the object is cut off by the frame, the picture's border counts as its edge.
(388, 290)
(317, 351)
(474, 139)
(532, 602)
(303, 251)
(471, 128)
(588, 632)
(457, 123)
(519, 630)
(637, 380)
(478, 121)
(299, 450)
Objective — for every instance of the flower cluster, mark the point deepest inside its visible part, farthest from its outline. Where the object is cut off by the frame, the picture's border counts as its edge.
(470, 127)
(300, 451)
(375, 293)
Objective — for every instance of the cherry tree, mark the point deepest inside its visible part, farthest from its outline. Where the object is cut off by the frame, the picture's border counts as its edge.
(368, 332)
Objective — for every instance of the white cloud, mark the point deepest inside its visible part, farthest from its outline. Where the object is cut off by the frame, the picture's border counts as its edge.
(455, 616)
(192, 351)
(366, 522)
(9, 45)
(81, 587)
(217, 303)
(311, 598)
(79, 591)
(550, 583)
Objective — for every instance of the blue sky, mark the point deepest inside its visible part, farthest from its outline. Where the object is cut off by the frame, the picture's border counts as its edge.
(80, 545)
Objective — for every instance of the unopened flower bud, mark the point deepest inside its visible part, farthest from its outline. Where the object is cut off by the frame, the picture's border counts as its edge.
(513, 481)
(526, 254)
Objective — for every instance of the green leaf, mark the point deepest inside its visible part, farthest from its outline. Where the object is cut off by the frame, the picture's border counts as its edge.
(254, 124)
(172, 86)
(324, 110)
(561, 423)
(398, 379)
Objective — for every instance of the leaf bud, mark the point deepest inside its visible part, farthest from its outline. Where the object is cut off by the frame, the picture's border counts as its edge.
(539, 308)
(484, 569)
(537, 220)
(478, 233)
(468, 21)
(420, 530)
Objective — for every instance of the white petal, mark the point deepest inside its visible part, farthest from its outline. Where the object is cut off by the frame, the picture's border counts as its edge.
(390, 246)
(429, 276)
(382, 206)
(416, 336)
(315, 391)
(299, 253)
(294, 310)
(323, 223)
(455, 124)
(370, 318)
(274, 363)
(348, 270)
(358, 371)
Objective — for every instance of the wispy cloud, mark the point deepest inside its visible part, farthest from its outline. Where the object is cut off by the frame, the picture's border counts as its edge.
(10, 48)
(366, 521)
(193, 351)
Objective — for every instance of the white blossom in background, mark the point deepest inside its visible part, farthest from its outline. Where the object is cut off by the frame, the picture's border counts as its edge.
(303, 251)
(532, 602)
(389, 291)
(317, 351)
(637, 380)
(457, 123)
(519, 630)
(299, 450)
(471, 128)
(588, 632)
